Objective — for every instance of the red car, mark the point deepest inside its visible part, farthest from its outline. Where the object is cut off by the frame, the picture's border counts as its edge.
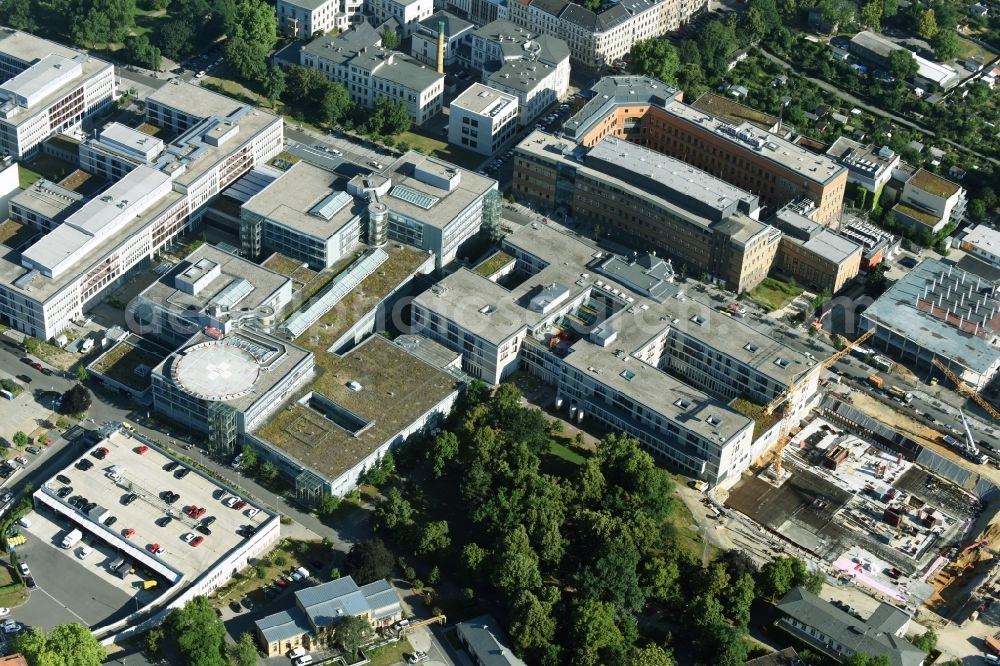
(142, 449)
(100, 452)
(200, 512)
(239, 505)
(197, 540)
(128, 532)
(154, 547)
(281, 582)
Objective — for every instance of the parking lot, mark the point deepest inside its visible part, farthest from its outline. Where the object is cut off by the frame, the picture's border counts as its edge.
(149, 475)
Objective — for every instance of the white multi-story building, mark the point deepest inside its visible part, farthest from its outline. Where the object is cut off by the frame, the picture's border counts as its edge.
(533, 67)
(613, 336)
(118, 149)
(482, 119)
(120, 230)
(356, 60)
(305, 18)
(929, 202)
(983, 242)
(47, 89)
(867, 166)
(427, 203)
(303, 216)
(406, 12)
(597, 40)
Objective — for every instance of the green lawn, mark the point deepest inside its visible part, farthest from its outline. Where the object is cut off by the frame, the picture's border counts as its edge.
(49, 167)
(390, 654)
(27, 177)
(969, 49)
(560, 450)
(774, 294)
(688, 540)
(442, 149)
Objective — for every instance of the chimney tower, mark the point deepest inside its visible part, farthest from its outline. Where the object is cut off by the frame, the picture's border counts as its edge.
(440, 58)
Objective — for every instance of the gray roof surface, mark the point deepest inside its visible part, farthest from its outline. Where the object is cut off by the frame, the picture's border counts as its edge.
(896, 310)
(487, 641)
(470, 187)
(289, 199)
(610, 92)
(453, 25)
(520, 75)
(308, 5)
(874, 42)
(832, 247)
(28, 48)
(847, 630)
(283, 625)
(473, 99)
(48, 199)
(233, 268)
(195, 100)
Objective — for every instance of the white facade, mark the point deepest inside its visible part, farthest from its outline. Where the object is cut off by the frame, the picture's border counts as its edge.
(482, 119)
(304, 18)
(43, 306)
(356, 60)
(406, 12)
(10, 184)
(983, 242)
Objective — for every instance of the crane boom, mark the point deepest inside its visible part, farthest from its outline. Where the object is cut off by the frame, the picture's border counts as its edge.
(966, 390)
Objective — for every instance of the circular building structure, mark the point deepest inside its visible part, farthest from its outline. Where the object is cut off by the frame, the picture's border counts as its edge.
(216, 371)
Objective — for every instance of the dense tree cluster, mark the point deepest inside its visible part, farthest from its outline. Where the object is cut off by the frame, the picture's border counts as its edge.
(65, 645)
(252, 34)
(571, 561)
(200, 634)
(76, 400)
(93, 23)
(193, 24)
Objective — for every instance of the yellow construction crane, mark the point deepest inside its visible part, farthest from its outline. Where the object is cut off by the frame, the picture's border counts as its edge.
(785, 433)
(826, 364)
(966, 389)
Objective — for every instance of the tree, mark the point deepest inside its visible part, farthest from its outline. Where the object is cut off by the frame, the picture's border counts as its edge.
(814, 581)
(657, 58)
(139, 51)
(946, 44)
(382, 470)
(250, 457)
(652, 655)
(245, 651)
(20, 439)
(176, 39)
(739, 596)
(393, 512)
(76, 400)
(434, 537)
(94, 22)
(81, 371)
(390, 39)
(516, 566)
(32, 345)
(532, 627)
(65, 645)
(253, 33)
(352, 633)
(153, 639)
(273, 84)
(729, 646)
(334, 104)
(200, 633)
(594, 632)
(927, 641)
(902, 64)
(927, 25)
(327, 505)
(861, 659)
(871, 15)
(17, 14)
(267, 472)
(389, 117)
(473, 556)
(442, 450)
(369, 561)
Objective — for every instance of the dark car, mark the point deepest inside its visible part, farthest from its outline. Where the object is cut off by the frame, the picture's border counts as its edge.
(204, 529)
(111, 521)
(33, 450)
(26, 361)
(83, 464)
(163, 522)
(63, 492)
(45, 371)
(90, 506)
(131, 497)
(218, 493)
(25, 378)
(182, 472)
(208, 520)
(37, 366)
(235, 606)
(248, 603)
(908, 262)
(170, 466)
(29, 581)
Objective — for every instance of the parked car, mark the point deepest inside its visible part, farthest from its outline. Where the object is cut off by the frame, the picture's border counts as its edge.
(111, 521)
(83, 464)
(100, 452)
(33, 450)
(84, 552)
(62, 478)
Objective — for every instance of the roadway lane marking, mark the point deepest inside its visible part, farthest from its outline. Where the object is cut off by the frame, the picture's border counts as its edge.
(74, 613)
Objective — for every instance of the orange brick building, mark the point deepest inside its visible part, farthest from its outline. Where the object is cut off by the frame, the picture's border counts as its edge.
(651, 113)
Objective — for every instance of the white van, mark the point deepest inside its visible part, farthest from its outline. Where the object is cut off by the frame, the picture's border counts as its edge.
(297, 652)
(24, 522)
(303, 660)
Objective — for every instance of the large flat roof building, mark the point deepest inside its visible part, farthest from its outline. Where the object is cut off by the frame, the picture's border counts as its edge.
(622, 345)
(937, 311)
(47, 89)
(658, 201)
(482, 119)
(815, 256)
(49, 283)
(209, 288)
(650, 112)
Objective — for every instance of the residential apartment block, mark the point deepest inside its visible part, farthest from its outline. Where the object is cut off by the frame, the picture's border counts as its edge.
(532, 66)
(867, 166)
(424, 40)
(649, 112)
(597, 40)
(614, 335)
(482, 119)
(356, 60)
(651, 200)
(814, 255)
(407, 13)
(47, 89)
(305, 18)
(929, 202)
(116, 233)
